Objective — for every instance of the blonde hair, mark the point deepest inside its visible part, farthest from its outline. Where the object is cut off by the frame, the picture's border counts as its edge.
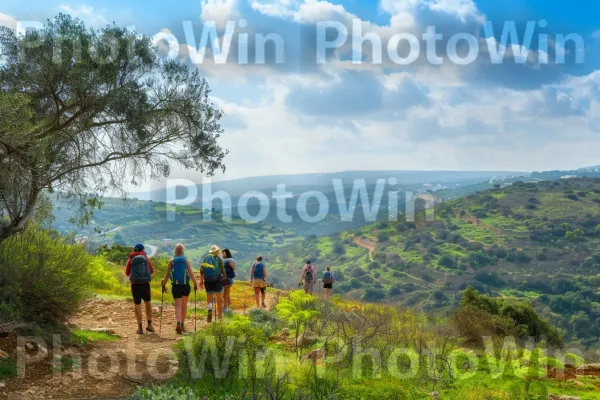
(179, 249)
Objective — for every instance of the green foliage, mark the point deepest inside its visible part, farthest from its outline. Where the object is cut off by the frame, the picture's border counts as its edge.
(148, 114)
(266, 321)
(8, 368)
(493, 315)
(43, 277)
(234, 344)
(84, 338)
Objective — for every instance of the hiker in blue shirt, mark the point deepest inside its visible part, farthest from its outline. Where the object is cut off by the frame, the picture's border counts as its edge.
(258, 280)
(179, 270)
(328, 280)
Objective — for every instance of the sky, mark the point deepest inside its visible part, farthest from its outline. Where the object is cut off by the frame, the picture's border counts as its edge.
(532, 111)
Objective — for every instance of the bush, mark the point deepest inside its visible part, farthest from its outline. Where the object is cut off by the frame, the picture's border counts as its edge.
(43, 277)
(236, 342)
(372, 294)
(524, 320)
(446, 260)
(473, 323)
(264, 320)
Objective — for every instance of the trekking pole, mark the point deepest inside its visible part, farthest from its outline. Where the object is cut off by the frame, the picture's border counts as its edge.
(162, 299)
(195, 310)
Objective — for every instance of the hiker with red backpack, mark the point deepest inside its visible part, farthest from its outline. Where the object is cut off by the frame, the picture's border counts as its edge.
(258, 280)
(139, 270)
(212, 278)
(308, 276)
(179, 271)
(328, 280)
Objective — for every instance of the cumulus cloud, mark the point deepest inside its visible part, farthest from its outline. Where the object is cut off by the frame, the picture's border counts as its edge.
(89, 15)
(8, 21)
(219, 11)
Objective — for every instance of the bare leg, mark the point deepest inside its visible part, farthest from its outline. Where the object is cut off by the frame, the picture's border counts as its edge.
(184, 306)
(219, 305)
(257, 296)
(225, 292)
(138, 313)
(148, 305)
(327, 293)
(263, 295)
(178, 310)
(209, 301)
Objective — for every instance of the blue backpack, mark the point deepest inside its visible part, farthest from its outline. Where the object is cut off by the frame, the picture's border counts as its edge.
(179, 272)
(140, 270)
(328, 278)
(230, 272)
(259, 270)
(211, 268)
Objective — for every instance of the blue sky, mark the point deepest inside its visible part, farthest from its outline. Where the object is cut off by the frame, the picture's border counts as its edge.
(300, 116)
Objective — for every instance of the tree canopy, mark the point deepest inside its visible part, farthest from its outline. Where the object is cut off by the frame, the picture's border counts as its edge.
(84, 112)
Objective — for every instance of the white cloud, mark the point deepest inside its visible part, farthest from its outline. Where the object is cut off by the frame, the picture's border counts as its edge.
(219, 11)
(87, 14)
(8, 21)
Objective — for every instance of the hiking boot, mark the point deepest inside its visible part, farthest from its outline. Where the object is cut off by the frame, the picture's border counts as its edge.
(178, 328)
(182, 327)
(209, 317)
(140, 331)
(150, 329)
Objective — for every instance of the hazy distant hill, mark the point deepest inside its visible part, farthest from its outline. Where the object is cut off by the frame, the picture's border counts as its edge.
(451, 183)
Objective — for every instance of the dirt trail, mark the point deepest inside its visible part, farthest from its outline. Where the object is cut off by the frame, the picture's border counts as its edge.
(367, 244)
(113, 369)
(471, 219)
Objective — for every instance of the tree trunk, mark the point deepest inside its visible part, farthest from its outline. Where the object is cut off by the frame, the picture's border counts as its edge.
(19, 224)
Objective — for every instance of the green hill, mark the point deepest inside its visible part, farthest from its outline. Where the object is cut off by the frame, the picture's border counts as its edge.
(537, 241)
(147, 222)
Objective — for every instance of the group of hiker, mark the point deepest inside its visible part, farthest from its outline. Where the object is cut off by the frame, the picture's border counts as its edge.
(217, 273)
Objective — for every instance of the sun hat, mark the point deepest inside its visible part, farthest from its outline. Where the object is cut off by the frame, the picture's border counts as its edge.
(214, 249)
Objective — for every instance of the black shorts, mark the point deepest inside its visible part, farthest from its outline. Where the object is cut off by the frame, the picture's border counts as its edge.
(180, 291)
(327, 285)
(213, 287)
(140, 292)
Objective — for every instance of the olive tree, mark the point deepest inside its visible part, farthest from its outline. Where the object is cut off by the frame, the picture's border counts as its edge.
(84, 112)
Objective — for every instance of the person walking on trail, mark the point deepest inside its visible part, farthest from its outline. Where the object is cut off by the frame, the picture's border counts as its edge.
(308, 276)
(212, 273)
(139, 270)
(230, 272)
(179, 271)
(328, 280)
(258, 279)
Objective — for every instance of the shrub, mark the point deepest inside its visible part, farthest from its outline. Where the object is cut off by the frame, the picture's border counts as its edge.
(264, 320)
(372, 294)
(43, 277)
(446, 260)
(524, 320)
(235, 343)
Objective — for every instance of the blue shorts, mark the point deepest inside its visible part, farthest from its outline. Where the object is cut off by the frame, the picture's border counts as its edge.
(230, 281)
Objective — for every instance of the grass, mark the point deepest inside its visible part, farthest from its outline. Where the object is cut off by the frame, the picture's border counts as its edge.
(8, 368)
(85, 338)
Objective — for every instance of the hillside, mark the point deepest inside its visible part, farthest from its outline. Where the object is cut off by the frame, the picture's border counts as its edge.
(146, 222)
(299, 347)
(536, 241)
